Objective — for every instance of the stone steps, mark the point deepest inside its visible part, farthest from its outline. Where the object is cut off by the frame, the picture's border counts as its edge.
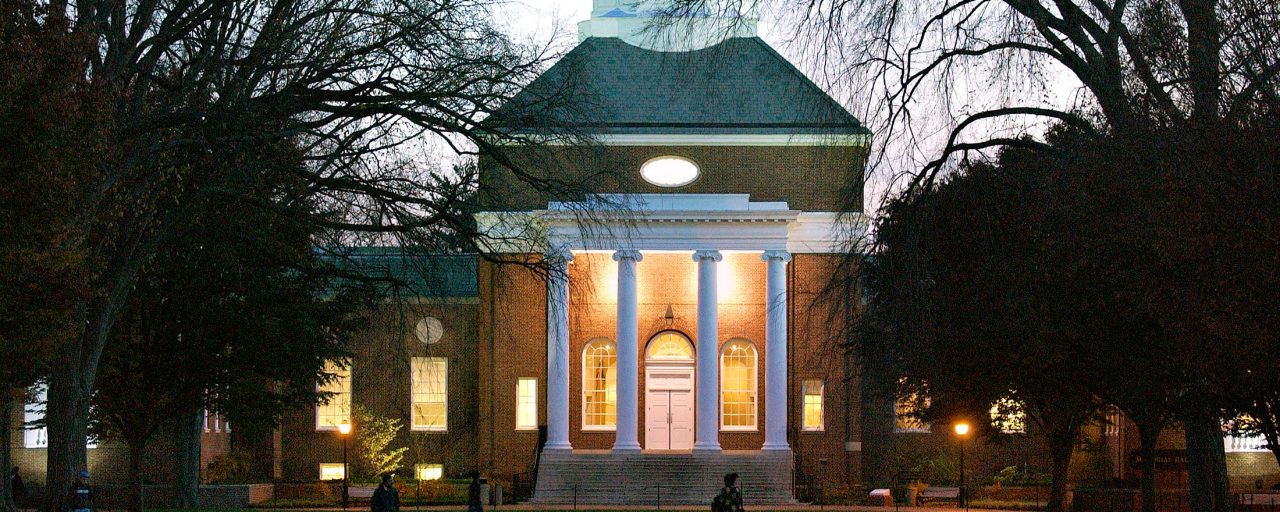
(601, 478)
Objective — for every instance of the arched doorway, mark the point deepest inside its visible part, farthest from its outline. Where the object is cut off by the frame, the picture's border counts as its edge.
(668, 399)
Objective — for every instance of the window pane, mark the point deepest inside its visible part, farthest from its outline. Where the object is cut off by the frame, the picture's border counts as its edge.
(599, 384)
(813, 404)
(430, 393)
(738, 386)
(1008, 416)
(527, 404)
(429, 471)
(338, 409)
(331, 471)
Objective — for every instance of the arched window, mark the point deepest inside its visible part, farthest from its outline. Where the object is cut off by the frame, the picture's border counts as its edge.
(738, 385)
(599, 385)
(670, 345)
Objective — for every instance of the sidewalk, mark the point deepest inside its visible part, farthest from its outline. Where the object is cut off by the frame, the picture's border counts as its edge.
(677, 508)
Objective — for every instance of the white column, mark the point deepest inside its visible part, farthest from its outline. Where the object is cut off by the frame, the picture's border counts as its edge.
(708, 389)
(558, 350)
(627, 439)
(775, 352)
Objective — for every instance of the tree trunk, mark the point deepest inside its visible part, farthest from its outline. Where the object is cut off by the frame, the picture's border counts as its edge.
(1148, 436)
(7, 402)
(67, 421)
(188, 448)
(1204, 56)
(1060, 452)
(135, 503)
(1206, 463)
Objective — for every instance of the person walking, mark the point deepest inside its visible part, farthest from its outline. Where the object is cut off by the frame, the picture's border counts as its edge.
(474, 503)
(386, 498)
(17, 489)
(730, 498)
(81, 498)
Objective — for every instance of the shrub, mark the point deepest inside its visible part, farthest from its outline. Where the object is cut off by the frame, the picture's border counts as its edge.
(373, 437)
(231, 468)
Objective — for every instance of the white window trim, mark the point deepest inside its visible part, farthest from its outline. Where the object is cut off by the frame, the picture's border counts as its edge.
(413, 426)
(534, 427)
(755, 384)
(582, 391)
(822, 401)
(350, 401)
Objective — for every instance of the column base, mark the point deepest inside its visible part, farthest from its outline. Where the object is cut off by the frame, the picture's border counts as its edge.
(707, 450)
(627, 450)
(558, 447)
(784, 447)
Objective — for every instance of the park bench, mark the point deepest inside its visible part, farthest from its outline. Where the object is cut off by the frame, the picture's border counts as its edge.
(939, 493)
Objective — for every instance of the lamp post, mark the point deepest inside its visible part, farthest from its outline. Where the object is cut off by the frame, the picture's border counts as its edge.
(962, 430)
(344, 429)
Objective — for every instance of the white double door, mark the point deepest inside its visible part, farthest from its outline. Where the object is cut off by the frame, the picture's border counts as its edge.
(668, 408)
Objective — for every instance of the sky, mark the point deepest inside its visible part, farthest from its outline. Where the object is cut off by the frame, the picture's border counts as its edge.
(541, 21)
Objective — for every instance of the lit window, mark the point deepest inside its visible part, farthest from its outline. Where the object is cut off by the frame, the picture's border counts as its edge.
(669, 171)
(813, 405)
(429, 471)
(527, 404)
(33, 414)
(1007, 416)
(331, 471)
(738, 386)
(906, 413)
(337, 408)
(599, 385)
(430, 394)
(670, 345)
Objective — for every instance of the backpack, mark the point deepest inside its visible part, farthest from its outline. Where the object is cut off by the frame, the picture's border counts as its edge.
(721, 502)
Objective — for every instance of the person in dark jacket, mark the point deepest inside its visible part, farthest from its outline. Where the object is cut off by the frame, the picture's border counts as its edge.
(386, 498)
(17, 488)
(730, 498)
(474, 503)
(80, 497)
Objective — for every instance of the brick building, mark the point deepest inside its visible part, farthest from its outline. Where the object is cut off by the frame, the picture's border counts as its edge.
(681, 332)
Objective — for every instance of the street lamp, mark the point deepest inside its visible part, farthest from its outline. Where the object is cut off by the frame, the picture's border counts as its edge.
(344, 429)
(962, 430)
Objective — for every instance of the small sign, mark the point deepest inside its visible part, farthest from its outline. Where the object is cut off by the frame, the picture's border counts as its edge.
(1165, 459)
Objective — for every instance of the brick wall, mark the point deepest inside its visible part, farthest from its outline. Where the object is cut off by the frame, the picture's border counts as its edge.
(810, 178)
(381, 382)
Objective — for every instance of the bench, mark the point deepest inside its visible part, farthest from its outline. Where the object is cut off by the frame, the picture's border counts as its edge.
(939, 493)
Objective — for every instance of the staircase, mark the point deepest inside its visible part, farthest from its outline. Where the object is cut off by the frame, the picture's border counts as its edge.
(602, 478)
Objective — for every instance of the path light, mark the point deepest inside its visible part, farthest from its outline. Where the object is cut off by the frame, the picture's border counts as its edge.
(344, 430)
(962, 430)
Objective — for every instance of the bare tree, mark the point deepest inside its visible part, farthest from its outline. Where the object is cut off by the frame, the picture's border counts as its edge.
(192, 86)
(950, 78)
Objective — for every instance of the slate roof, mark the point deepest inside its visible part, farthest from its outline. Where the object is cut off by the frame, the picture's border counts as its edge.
(416, 274)
(739, 86)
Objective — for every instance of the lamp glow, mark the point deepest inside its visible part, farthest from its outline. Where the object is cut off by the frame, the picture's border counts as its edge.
(344, 428)
(962, 428)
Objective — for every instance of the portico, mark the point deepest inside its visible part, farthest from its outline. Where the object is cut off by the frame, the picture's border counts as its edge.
(688, 402)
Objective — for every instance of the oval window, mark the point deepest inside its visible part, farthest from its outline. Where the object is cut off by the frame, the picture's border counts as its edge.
(429, 330)
(669, 171)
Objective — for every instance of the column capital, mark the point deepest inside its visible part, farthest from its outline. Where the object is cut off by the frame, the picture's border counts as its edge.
(558, 254)
(782, 256)
(627, 254)
(703, 255)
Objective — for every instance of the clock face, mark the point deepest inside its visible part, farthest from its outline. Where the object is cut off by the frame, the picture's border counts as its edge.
(429, 330)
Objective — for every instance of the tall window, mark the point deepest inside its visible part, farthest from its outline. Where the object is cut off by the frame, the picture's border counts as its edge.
(738, 386)
(1007, 416)
(527, 404)
(599, 385)
(906, 412)
(813, 420)
(33, 414)
(338, 407)
(430, 394)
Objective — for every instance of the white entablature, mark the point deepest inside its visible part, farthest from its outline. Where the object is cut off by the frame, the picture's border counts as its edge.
(669, 222)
